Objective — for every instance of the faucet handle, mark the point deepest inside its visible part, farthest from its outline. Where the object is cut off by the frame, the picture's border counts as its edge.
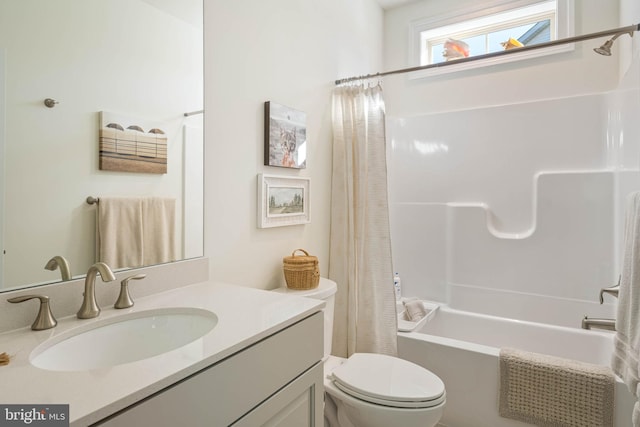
(124, 299)
(613, 290)
(44, 319)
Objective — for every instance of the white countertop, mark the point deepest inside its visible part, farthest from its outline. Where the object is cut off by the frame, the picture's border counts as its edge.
(245, 316)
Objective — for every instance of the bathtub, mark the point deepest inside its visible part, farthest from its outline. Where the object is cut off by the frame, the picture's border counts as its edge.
(462, 348)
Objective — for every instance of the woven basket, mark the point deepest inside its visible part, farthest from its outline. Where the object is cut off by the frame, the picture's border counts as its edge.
(301, 272)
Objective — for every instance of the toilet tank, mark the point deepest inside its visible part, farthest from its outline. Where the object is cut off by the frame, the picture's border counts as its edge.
(325, 291)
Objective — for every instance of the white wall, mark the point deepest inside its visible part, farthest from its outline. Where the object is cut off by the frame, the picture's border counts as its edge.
(629, 15)
(560, 75)
(148, 68)
(290, 52)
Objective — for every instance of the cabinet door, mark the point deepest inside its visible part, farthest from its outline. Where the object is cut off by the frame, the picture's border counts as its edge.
(300, 404)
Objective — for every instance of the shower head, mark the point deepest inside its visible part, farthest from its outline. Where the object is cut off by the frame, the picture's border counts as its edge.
(605, 49)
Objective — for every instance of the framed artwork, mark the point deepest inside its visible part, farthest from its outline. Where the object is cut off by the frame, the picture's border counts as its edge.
(282, 201)
(128, 144)
(285, 136)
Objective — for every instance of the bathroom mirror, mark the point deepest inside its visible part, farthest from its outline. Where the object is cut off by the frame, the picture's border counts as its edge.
(139, 59)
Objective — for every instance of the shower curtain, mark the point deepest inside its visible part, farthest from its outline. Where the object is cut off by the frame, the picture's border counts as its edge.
(360, 241)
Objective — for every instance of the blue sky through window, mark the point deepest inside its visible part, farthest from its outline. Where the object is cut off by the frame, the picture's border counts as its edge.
(484, 43)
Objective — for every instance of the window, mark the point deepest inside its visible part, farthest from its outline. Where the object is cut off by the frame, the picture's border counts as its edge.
(493, 28)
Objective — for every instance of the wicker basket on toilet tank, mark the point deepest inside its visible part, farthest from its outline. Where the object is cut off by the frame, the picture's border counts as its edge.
(301, 271)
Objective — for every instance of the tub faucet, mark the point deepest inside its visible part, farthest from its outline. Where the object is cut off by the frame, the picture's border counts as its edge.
(61, 263)
(89, 308)
(613, 290)
(598, 323)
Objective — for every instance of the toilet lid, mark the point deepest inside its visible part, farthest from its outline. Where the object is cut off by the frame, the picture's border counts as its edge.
(389, 381)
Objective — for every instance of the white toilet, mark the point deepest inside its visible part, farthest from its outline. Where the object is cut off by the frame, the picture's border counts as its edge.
(373, 390)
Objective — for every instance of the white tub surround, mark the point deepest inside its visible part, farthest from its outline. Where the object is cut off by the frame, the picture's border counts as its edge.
(515, 209)
(516, 213)
(245, 317)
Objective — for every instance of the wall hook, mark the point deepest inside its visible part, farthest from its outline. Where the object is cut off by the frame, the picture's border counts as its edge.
(50, 102)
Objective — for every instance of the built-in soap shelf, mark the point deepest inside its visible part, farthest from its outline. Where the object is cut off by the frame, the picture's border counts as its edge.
(406, 325)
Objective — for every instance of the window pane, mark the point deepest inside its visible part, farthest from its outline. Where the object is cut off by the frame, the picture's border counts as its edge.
(526, 34)
(437, 53)
(539, 33)
(528, 25)
(477, 45)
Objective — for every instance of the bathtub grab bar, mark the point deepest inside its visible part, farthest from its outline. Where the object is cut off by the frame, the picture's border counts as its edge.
(599, 323)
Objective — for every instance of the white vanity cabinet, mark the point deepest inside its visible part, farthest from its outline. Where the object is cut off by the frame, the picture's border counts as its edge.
(275, 382)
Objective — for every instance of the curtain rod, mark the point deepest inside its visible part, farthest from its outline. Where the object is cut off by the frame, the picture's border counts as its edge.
(619, 31)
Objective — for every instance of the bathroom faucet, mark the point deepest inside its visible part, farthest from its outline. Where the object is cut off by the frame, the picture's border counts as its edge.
(89, 308)
(599, 323)
(59, 262)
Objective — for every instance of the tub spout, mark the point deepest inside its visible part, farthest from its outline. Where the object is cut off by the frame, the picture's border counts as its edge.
(599, 323)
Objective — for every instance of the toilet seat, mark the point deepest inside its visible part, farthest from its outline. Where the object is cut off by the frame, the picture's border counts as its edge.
(389, 381)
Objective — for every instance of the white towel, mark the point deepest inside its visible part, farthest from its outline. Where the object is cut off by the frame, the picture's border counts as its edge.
(119, 232)
(414, 310)
(158, 230)
(627, 339)
(133, 232)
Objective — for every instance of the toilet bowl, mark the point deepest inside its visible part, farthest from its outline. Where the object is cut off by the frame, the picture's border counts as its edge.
(376, 390)
(373, 390)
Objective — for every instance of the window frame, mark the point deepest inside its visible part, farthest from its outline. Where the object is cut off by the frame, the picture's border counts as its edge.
(565, 28)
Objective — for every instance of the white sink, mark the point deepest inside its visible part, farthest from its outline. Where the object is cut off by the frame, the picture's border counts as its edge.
(123, 339)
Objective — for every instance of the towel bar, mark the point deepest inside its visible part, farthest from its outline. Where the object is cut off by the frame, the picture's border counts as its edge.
(93, 200)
